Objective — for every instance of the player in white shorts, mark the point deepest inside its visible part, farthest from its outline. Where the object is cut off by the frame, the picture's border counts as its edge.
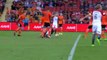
(55, 23)
(96, 23)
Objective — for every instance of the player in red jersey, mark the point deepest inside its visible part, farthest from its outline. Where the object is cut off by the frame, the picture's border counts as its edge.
(87, 30)
(20, 24)
(104, 23)
(60, 22)
(46, 29)
(96, 23)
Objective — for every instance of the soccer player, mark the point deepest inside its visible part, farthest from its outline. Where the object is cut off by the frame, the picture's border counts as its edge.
(20, 24)
(55, 23)
(96, 23)
(89, 27)
(104, 23)
(60, 22)
(46, 23)
(26, 21)
(90, 24)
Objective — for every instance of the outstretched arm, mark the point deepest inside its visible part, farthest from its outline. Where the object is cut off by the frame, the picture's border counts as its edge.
(89, 15)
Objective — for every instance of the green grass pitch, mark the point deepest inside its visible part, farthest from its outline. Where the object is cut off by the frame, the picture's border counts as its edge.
(31, 47)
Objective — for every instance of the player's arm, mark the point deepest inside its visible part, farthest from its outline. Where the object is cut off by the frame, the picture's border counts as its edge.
(63, 20)
(17, 20)
(89, 15)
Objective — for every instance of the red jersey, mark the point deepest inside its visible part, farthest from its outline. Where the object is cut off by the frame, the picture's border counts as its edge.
(104, 18)
(21, 18)
(61, 18)
(47, 16)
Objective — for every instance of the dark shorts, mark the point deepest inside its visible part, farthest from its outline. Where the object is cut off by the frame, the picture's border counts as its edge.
(46, 25)
(25, 24)
(60, 25)
(103, 27)
(19, 25)
(90, 27)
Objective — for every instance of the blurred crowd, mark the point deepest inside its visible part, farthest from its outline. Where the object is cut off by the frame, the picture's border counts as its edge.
(2, 5)
(72, 10)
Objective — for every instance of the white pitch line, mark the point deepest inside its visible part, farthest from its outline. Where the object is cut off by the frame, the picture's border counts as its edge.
(70, 57)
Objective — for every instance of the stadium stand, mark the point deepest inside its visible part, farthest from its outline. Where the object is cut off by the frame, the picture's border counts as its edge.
(72, 10)
(2, 5)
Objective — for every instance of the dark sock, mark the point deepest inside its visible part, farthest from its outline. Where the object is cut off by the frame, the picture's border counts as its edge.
(52, 31)
(55, 31)
(93, 38)
(99, 36)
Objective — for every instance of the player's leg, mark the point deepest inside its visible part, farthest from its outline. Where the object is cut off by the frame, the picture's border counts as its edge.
(98, 38)
(52, 31)
(28, 26)
(43, 32)
(93, 38)
(56, 32)
(48, 30)
(61, 29)
(17, 30)
(20, 30)
(94, 29)
(99, 30)
(86, 33)
(87, 30)
(53, 28)
(103, 36)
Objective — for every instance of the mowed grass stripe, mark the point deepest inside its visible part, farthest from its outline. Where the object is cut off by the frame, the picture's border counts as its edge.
(31, 47)
(85, 51)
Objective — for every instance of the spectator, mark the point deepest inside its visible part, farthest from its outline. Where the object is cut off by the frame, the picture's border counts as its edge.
(2, 5)
(72, 10)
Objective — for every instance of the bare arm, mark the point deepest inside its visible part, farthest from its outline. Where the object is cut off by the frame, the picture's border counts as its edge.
(89, 15)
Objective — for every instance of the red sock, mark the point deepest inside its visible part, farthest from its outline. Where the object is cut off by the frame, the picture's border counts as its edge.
(19, 32)
(43, 32)
(86, 33)
(49, 32)
(103, 35)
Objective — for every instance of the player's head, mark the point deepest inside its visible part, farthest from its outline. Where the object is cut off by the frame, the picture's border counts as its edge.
(60, 14)
(27, 16)
(98, 7)
(56, 14)
(48, 10)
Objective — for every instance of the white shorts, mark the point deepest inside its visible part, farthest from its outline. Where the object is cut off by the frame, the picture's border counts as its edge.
(97, 29)
(55, 25)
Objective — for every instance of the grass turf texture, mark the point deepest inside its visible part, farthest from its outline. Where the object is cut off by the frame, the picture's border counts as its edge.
(31, 47)
(85, 51)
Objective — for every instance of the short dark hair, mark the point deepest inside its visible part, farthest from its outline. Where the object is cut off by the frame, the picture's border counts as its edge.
(98, 6)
